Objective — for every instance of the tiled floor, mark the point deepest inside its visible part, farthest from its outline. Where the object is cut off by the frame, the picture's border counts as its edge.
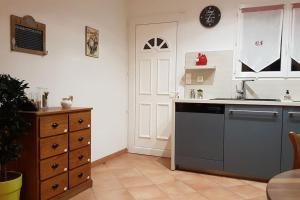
(134, 177)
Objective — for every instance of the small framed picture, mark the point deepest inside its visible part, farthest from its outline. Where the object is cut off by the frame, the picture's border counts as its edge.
(91, 42)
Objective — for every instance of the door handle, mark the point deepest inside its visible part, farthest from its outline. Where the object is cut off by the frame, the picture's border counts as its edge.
(55, 166)
(274, 113)
(80, 175)
(81, 157)
(55, 125)
(55, 146)
(55, 186)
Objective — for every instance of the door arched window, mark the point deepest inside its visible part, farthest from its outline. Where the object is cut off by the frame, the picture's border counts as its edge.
(156, 43)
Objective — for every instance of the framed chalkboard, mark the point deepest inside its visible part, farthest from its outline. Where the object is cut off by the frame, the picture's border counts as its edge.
(28, 36)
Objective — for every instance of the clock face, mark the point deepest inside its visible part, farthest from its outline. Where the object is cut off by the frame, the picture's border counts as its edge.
(210, 16)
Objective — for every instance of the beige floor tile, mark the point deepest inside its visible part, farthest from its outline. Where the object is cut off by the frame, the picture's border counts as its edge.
(86, 195)
(259, 198)
(190, 196)
(224, 181)
(147, 192)
(260, 185)
(220, 194)
(99, 168)
(161, 178)
(113, 195)
(187, 176)
(149, 171)
(199, 183)
(175, 188)
(135, 181)
(134, 177)
(126, 173)
(247, 191)
(106, 183)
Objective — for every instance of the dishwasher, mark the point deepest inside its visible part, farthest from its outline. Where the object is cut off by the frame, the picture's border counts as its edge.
(199, 136)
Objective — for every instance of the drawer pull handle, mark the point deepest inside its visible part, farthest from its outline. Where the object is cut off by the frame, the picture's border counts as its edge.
(294, 114)
(55, 125)
(55, 166)
(80, 139)
(55, 186)
(55, 146)
(80, 157)
(80, 175)
(80, 121)
(274, 113)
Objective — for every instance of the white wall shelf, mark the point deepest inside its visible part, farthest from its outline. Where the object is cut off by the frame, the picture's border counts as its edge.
(201, 67)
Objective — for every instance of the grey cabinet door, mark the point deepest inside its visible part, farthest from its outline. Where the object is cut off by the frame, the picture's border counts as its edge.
(291, 122)
(252, 143)
(199, 141)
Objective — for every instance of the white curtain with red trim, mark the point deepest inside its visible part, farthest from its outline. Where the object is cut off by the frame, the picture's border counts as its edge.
(296, 35)
(261, 37)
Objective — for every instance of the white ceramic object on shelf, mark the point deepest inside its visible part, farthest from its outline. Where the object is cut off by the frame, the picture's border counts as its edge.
(67, 102)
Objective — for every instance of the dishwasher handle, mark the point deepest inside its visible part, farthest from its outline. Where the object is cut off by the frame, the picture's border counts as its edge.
(256, 112)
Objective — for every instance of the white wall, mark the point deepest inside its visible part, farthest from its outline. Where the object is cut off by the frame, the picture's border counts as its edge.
(192, 37)
(98, 83)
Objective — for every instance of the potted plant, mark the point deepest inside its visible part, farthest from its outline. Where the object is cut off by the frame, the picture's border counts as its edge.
(12, 127)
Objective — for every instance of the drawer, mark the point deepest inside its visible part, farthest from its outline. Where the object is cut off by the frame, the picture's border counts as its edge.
(53, 125)
(54, 186)
(80, 157)
(79, 175)
(53, 166)
(79, 121)
(53, 146)
(80, 139)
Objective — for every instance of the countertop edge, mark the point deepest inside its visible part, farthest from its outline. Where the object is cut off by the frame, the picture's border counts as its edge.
(238, 102)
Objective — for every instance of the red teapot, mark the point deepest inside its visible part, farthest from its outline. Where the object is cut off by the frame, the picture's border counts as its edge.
(202, 59)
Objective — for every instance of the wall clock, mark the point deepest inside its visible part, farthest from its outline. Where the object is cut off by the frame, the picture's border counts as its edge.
(210, 16)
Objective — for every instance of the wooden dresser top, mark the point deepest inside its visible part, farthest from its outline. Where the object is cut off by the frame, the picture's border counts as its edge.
(57, 110)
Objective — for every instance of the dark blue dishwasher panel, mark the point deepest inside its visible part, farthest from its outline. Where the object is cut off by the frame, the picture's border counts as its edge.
(199, 131)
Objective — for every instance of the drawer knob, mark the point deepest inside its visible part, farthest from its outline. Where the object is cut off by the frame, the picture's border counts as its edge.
(80, 175)
(55, 186)
(81, 157)
(80, 139)
(55, 146)
(55, 125)
(80, 121)
(55, 166)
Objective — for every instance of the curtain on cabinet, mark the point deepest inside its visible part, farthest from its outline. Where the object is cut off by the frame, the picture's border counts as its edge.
(261, 36)
(296, 33)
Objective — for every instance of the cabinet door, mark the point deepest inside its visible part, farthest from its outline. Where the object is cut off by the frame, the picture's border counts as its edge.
(291, 122)
(252, 143)
(199, 140)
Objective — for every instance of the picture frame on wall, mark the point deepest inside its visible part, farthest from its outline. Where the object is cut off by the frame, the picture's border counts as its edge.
(91, 42)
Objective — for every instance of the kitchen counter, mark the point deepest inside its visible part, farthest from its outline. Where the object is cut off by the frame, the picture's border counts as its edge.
(213, 136)
(239, 102)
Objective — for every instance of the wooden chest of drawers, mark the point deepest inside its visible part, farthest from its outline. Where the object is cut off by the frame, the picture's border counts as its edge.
(56, 157)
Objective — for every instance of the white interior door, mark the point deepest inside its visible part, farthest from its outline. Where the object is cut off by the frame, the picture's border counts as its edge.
(155, 84)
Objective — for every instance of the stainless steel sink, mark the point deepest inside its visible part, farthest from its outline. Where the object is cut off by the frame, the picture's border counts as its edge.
(234, 99)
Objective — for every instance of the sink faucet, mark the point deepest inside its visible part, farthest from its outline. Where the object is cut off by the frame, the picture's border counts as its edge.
(242, 92)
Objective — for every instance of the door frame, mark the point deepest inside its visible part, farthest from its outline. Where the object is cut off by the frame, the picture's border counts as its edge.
(158, 19)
